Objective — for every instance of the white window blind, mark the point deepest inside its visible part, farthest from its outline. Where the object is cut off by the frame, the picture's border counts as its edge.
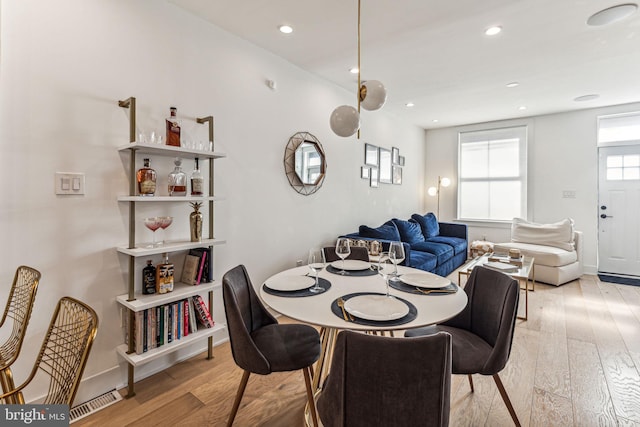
(492, 174)
(619, 128)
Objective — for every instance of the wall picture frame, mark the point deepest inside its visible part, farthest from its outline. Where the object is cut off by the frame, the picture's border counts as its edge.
(384, 172)
(397, 175)
(401, 160)
(370, 155)
(373, 178)
(365, 172)
(395, 155)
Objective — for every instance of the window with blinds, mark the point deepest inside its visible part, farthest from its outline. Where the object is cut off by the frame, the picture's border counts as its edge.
(492, 174)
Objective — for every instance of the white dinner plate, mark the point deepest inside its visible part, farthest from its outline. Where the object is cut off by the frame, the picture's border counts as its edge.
(376, 307)
(425, 280)
(351, 264)
(290, 283)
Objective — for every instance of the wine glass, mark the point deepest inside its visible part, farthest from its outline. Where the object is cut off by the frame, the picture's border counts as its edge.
(396, 255)
(316, 263)
(343, 250)
(152, 223)
(165, 221)
(384, 269)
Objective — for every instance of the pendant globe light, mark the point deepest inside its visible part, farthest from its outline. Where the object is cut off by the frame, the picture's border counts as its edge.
(345, 119)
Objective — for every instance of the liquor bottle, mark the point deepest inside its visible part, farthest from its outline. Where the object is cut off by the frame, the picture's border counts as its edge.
(197, 182)
(173, 128)
(149, 278)
(146, 178)
(164, 276)
(177, 180)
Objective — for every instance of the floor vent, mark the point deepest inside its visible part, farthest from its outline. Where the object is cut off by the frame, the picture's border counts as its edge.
(94, 405)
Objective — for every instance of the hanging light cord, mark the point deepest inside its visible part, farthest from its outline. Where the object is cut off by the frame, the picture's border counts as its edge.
(358, 90)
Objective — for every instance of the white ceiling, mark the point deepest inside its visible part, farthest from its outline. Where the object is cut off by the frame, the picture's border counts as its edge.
(435, 54)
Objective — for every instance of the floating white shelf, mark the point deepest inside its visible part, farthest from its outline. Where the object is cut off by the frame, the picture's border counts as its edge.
(171, 246)
(146, 357)
(180, 291)
(168, 198)
(170, 150)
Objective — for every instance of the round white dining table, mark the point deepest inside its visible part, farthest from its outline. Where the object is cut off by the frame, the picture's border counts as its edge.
(316, 309)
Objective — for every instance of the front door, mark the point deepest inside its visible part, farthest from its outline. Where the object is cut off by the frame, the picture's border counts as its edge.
(619, 210)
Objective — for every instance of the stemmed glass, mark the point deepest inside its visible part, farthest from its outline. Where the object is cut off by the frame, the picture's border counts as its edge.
(152, 223)
(396, 255)
(316, 263)
(343, 250)
(165, 221)
(384, 269)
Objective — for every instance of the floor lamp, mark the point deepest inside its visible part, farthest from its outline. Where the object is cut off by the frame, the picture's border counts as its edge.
(435, 191)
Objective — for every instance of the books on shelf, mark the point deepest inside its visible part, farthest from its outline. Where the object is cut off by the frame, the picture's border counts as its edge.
(190, 269)
(203, 271)
(202, 312)
(161, 325)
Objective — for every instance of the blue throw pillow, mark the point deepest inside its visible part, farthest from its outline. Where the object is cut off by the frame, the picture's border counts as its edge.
(428, 224)
(387, 231)
(410, 231)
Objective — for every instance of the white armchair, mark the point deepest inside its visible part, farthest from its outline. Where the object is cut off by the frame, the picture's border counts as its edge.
(557, 249)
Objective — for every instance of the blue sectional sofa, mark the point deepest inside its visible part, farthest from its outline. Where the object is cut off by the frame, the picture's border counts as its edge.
(437, 247)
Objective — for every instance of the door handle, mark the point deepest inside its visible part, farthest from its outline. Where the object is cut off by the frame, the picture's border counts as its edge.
(603, 216)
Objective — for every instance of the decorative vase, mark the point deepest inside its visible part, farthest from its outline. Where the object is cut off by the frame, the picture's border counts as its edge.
(195, 222)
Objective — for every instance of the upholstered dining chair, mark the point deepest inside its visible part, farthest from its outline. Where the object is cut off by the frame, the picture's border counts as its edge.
(16, 318)
(384, 381)
(482, 333)
(259, 344)
(64, 353)
(357, 252)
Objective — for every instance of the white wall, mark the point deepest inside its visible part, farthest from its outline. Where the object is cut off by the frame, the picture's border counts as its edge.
(64, 66)
(562, 150)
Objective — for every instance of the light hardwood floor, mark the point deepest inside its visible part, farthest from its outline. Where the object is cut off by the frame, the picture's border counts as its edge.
(575, 362)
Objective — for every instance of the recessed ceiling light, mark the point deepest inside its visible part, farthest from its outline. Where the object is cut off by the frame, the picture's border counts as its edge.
(612, 14)
(586, 98)
(409, 104)
(522, 107)
(513, 84)
(492, 31)
(353, 70)
(435, 120)
(286, 29)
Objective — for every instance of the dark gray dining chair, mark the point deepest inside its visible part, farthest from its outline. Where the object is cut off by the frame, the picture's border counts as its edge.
(357, 252)
(384, 381)
(258, 343)
(482, 333)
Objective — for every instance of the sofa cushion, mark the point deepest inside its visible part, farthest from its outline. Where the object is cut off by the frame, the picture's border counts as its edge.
(544, 255)
(459, 245)
(558, 234)
(387, 231)
(428, 224)
(410, 231)
(422, 260)
(442, 251)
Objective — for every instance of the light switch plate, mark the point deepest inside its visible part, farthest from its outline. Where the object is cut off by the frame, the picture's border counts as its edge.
(69, 183)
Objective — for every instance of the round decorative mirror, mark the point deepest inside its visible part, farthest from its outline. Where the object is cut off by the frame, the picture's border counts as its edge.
(305, 163)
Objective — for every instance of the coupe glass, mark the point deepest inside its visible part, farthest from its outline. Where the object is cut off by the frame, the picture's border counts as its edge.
(385, 270)
(152, 223)
(316, 263)
(343, 250)
(396, 255)
(165, 221)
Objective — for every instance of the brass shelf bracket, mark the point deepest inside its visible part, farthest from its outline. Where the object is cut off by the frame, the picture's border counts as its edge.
(130, 103)
(208, 119)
